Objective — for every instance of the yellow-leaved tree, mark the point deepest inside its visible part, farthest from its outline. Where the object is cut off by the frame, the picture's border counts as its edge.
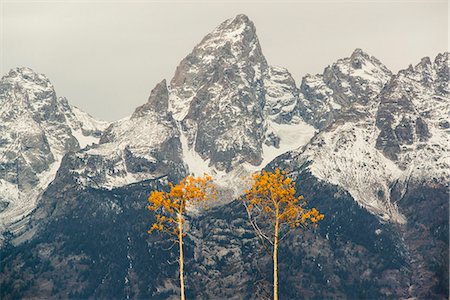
(170, 208)
(274, 210)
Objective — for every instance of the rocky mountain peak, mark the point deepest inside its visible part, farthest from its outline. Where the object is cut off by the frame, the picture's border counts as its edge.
(428, 68)
(242, 19)
(442, 59)
(347, 89)
(424, 63)
(236, 24)
(237, 29)
(358, 58)
(360, 66)
(398, 123)
(26, 75)
(37, 95)
(230, 51)
(158, 102)
(233, 39)
(356, 79)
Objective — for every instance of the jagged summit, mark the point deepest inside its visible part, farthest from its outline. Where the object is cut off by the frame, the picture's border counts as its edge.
(359, 53)
(438, 67)
(346, 89)
(424, 62)
(442, 59)
(362, 60)
(143, 146)
(239, 19)
(342, 102)
(39, 96)
(231, 50)
(157, 103)
(239, 28)
(360, 65)
(236, 23)
(26, 74)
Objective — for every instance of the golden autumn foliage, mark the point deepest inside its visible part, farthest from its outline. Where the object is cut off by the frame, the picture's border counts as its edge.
(273, 194)
(170, 208)
(273, 208)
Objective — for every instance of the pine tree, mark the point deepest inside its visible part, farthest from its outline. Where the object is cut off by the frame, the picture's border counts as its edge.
(274, 210)
(170, 208)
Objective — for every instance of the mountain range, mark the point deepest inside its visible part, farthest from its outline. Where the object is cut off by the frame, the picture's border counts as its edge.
(367, 147)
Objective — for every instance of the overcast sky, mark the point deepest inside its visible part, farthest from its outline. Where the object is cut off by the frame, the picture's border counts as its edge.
(106, 56)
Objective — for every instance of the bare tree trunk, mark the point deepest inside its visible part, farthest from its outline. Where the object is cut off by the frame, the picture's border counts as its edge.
(180, 242)
(275, 259)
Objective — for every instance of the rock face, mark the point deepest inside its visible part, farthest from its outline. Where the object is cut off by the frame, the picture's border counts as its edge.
(364, 146)
(412, 119)
(220, 85)
(37, 128)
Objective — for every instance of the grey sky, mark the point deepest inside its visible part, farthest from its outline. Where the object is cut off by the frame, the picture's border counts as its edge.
(106, 56)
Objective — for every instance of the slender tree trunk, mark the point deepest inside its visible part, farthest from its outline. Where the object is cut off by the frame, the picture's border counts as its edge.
(180, 242)
(275, 259)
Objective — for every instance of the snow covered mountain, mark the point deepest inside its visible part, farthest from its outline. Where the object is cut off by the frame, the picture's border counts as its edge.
(226, 113)
(37, 128)
(378, 130)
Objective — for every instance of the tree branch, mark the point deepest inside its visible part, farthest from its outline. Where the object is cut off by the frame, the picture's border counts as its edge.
(258, 231)
(284, 235)
(173, 244)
